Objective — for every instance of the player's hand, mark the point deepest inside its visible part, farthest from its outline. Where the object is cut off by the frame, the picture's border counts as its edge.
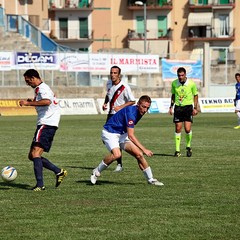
(170, 111)
(116, 108)
(148, 152)
(195, 112)
(104, 107)
(22, 102)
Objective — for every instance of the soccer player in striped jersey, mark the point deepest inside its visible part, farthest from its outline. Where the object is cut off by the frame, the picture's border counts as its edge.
(119, 95)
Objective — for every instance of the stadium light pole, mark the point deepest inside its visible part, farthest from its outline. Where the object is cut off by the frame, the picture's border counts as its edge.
(144, 4)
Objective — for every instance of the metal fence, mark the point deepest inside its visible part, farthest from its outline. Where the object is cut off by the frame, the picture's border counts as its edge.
(224, 64)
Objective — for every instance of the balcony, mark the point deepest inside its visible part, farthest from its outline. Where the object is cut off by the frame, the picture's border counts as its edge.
(63, 36)
(70, 5)
(152, 34)
(208, 34)
(151, 5)
(211, 4)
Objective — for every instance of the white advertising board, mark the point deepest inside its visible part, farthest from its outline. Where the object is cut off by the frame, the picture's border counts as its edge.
(160, 105)
(208, 105)
(77, 106)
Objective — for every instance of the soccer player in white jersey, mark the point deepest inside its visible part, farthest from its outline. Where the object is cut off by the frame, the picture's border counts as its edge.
(48, 113)
(119, 95)
(118, 133)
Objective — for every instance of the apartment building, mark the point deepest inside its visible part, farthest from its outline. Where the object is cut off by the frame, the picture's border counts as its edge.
(164, 27)
(35, 12)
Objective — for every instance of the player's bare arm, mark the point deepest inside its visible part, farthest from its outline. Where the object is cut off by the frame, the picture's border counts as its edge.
(43, 102)
(170, 111)
(117, 108)
(134, 140)
(195, 109)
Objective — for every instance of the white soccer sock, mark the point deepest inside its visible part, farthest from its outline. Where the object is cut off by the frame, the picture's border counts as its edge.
(148, 173)
(102, 166)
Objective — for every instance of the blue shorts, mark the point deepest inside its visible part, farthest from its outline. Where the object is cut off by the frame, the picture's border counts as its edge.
(43, 136)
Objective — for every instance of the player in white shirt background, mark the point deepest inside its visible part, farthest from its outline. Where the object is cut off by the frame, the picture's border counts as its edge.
(119, 95)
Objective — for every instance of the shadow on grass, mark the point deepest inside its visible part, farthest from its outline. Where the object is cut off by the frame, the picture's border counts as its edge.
(86, 168)
(100, 182)
(7, 186)
(163, 155)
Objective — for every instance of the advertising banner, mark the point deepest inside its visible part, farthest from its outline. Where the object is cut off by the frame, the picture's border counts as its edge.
(160, 105)
(76, 106)
(36, 60)
(11, 107)
(193, 69)
(208, 105)
(6, 61)
(103, 62)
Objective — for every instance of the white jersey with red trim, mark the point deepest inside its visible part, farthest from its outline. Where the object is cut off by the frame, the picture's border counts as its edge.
(47, 115)
(124, 95)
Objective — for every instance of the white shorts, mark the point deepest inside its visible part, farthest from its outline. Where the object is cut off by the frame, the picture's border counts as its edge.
(114, 140)
(237, 105)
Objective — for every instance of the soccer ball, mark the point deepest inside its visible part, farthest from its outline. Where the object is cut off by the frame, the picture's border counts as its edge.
(9, 174)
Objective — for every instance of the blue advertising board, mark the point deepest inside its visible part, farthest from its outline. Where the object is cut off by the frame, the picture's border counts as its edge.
(193, 69)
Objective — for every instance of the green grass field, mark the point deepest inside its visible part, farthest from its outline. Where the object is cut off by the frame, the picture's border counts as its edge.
(200, 199)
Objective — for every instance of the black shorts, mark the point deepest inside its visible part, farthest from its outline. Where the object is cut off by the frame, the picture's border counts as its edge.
(183, 114)
(43, 136)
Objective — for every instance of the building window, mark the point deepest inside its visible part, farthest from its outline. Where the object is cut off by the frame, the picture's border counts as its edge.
(140, 26)
(162, 26)
(203, 2)
(83, 25)
(63, 27)
(83, 49)
(224, 25)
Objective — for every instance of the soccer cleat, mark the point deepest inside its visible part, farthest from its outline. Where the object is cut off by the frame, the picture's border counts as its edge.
(155, 182)
(119, 168)
(237, 127)
(37, 189)
(60, 176)
(189, 152)
(94, 176)
(177, 154)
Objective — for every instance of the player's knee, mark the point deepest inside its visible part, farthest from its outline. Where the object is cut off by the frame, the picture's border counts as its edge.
(117, 155)
(139, 156)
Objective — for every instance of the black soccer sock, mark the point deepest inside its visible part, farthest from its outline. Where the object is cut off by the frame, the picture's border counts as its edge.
(38, 169)
(119, 161)
(50, 166)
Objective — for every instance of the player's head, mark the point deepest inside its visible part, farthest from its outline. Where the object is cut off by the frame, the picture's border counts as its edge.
(144, 104)
(181, 73)
(31, 73)
(115, 74)
(116, 68)
(237, 77)
(32, 77)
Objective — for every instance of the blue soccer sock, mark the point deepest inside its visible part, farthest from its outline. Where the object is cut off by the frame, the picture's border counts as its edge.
(50, 166)
(38, 171)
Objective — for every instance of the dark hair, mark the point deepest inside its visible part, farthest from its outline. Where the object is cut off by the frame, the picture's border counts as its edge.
(145, 98)
(237, 74)
(181, 69)
(119, 69)
(31, 73)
